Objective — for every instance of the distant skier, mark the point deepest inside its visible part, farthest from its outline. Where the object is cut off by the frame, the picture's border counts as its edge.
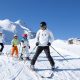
(15, 43)
(1, 42)
(44, 38)
(24, 48)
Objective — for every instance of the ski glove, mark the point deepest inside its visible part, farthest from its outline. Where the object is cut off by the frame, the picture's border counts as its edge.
(49, 44)
(29, 47)
(37, 43)
(24, 47)
(12, 45)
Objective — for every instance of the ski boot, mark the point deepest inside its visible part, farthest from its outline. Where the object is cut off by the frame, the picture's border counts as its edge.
(27, 58)
(32, 67)
(53, 67)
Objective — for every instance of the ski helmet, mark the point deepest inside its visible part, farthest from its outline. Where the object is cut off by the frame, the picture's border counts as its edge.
(15, 36)
(24, 35)
(43, 25)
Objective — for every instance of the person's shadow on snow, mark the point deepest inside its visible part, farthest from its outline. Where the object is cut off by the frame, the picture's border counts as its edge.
(56, 58)
(60, 60)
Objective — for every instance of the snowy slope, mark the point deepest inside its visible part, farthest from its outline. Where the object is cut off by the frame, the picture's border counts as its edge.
(10, 28)
(11, 69)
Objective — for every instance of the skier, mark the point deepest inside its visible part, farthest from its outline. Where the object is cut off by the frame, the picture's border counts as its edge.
(15, 43)
(1, 42)
(24, 48)
(44, 38)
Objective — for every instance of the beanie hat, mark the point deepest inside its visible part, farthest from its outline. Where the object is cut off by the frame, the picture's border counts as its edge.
(43, 25)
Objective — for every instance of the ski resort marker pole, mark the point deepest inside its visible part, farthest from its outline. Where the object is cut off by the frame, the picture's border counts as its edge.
(58, 53)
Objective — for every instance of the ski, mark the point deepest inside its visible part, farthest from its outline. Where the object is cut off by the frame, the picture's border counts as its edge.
(49, 73)
(46, 74)
(13, 78)
(34, 73)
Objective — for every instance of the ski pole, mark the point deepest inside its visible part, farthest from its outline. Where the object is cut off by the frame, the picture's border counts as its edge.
(33, 49)
(58, 53)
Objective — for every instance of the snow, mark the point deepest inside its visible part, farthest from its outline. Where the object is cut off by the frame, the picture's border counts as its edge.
(7, 25)
(9, 28)
(11, 69)
(23, 25)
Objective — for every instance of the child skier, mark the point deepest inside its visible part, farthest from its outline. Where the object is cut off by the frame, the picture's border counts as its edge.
(1, 43)
(44, 38)
(15, 43)
(24, 48)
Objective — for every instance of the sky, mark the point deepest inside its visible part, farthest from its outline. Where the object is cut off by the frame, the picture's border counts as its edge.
(62, 16)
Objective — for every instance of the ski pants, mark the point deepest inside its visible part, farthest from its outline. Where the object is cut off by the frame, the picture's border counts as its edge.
(2, 46)
(25, 52)
(15, 49)
(47, 52)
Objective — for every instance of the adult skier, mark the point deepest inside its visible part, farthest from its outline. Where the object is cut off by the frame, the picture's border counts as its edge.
(1, 42)
(24, 46)
(44, 38)
(15, 43)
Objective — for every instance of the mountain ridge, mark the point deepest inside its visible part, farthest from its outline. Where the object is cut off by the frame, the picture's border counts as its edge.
(9, 28)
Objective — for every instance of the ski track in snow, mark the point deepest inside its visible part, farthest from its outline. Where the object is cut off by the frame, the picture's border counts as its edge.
(11, 69)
